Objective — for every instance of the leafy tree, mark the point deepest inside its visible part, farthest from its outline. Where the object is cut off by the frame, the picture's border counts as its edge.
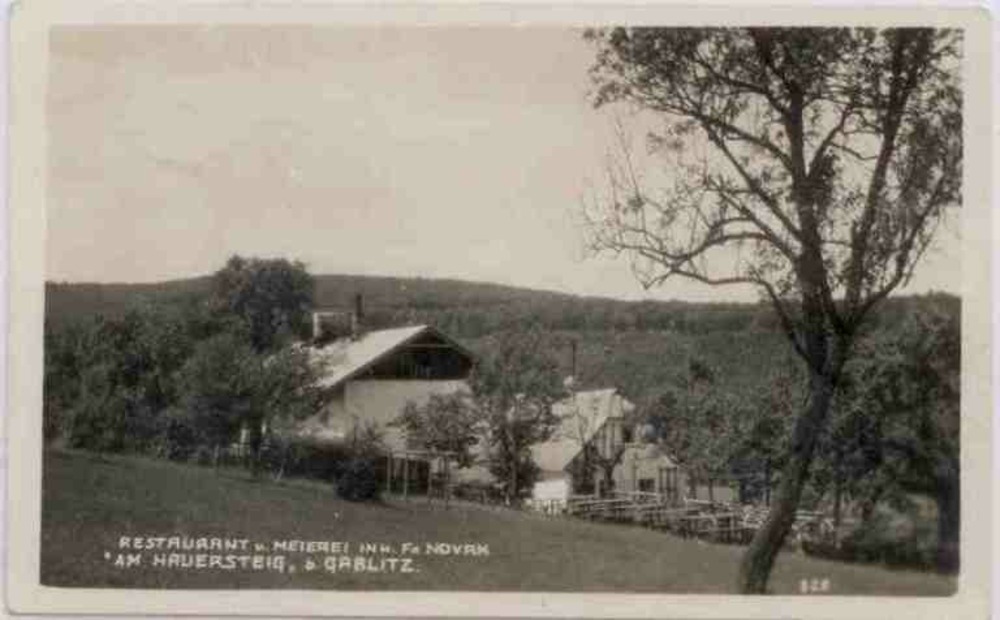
(908, 384)
(760, 422)
(221, 380)
(111, 378)
(445, 423)
(366, 439)
(514, 388)
(849, 457)
(812, 164)
(701, 424)
(64, 355)
(271, 297)
(180, 434)
(230, 387)
(288, 393)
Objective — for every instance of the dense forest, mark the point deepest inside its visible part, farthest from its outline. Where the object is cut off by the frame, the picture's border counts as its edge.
(469, 309)
(637, 346)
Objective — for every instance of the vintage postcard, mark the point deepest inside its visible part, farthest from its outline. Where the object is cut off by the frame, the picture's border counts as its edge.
(499, 310)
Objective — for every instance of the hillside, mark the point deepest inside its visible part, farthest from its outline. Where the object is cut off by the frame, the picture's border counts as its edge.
(636, 345)
(464, 308)
(90, 503)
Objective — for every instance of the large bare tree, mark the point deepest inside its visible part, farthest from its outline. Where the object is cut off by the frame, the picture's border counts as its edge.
(813, 164)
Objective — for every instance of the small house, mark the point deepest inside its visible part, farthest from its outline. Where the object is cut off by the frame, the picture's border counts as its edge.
(596, 434)
(594, 417)
(370, 376)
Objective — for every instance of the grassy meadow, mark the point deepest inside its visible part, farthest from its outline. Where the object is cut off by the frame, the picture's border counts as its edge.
(90, 501)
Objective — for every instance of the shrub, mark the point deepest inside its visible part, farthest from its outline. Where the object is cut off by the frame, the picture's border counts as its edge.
(884, 540)
(881, 540)
(303, 458)
(178, 438)
(478, 492)
(358, 481)
(202, 455)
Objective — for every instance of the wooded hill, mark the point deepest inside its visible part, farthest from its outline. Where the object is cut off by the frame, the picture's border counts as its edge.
(460, 307)
(635, 345)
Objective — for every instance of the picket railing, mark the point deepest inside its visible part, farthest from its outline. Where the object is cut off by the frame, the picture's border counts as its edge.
(716, 521)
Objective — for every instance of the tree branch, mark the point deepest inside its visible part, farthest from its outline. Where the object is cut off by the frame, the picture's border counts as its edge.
(754, 186)
(900, 88)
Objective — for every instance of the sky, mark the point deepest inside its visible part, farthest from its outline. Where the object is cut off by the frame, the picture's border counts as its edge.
(421, 151)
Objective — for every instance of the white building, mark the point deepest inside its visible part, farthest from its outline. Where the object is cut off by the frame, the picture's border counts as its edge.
(594, 416)
(370, 377)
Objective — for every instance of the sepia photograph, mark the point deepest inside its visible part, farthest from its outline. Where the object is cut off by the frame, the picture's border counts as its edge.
(560, 309)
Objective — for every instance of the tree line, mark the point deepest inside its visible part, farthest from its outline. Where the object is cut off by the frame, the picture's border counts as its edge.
(172, 380)
(463, 309)
(202, 374)
(893, 433)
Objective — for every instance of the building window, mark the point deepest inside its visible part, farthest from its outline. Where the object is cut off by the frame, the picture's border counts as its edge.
(627, 434)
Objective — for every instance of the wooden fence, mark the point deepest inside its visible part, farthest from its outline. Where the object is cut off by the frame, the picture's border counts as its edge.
(715, 521)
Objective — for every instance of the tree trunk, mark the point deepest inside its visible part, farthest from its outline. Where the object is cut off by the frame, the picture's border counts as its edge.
(755, 568)
(838, 491)
(837, 499)
(871, 501)
(284, 460)
(512, 492)
(512, 456)
(609, 480)
(949, 523)
(256, 439)
(767, 483)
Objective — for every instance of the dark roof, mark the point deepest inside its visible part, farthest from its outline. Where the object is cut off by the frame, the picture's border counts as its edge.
(346, 358)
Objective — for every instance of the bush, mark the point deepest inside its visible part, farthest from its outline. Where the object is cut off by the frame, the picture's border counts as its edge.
(475, 491)
(882, 540)
(202, 455)
(98, 425)
(177, 438)
(358, 480)
(302, 458)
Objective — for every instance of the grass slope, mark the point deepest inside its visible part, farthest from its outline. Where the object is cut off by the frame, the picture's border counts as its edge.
(89, 501)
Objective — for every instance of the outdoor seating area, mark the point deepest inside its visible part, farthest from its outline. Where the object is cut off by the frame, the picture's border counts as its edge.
(713, 521)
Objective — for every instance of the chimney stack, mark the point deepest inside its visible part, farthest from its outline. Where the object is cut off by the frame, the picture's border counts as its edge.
(358, 315)
(570, 380)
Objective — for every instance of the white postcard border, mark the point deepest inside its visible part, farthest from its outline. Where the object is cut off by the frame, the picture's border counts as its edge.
(29, 60)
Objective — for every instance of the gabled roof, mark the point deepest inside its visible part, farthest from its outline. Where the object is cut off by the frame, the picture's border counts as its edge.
(345, 358)
(580, 417)
(650, 452)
